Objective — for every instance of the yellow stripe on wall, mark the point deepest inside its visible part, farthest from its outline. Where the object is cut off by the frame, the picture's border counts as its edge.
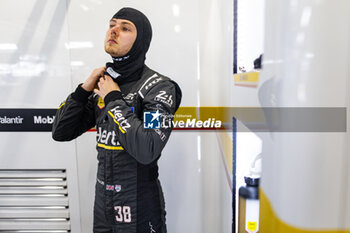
(110, 147)
(271, 223)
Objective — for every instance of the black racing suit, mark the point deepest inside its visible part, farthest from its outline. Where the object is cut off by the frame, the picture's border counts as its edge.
(128, 195)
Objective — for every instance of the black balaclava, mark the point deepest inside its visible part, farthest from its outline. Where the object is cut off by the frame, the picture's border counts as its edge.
(129, 67)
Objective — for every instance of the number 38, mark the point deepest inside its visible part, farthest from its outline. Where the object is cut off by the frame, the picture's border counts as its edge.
(123, 213)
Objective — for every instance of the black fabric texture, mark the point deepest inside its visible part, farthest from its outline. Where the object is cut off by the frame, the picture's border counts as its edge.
(113, 95)
(130, 66)
(80, 94)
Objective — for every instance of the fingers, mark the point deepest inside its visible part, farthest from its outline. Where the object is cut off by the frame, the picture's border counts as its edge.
(111, 82)
(99, 72)
(100, 83)
(102, 72)
(91, 82)
(105, 85)
(97, 91)
(108, 79)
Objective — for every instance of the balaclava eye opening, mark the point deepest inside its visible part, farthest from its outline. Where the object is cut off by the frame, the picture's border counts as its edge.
(125, 68)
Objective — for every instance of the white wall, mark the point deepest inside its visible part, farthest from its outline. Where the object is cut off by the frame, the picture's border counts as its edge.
(305, 174)
(35, 73)
(192, 44)
(215, 70)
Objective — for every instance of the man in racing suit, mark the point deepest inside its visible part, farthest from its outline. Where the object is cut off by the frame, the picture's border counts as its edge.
(116, 98)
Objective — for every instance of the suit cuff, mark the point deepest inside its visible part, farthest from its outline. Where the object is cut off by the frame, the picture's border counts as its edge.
(81, 95)
(113, 95)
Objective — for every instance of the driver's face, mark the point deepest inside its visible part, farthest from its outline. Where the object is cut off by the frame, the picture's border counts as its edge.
(120, 37)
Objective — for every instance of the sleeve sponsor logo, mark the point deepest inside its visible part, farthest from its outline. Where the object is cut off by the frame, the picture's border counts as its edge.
(130, 96)
(162, 135)
(120, 119)
(148, 84)
(165, 98)
(155, 81)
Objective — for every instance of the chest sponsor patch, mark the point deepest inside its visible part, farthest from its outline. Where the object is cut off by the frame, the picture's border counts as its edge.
(130, 96)
(106, 137)
(100, 103)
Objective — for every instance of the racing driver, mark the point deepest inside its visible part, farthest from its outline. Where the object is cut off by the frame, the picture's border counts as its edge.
(116, 99)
